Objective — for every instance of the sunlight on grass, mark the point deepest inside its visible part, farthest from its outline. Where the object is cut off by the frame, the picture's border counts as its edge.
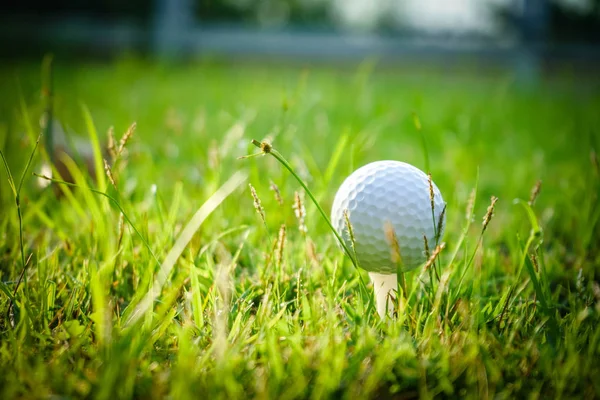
(158, 271)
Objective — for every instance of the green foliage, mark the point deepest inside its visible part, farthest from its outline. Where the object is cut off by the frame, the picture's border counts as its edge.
(170, 284)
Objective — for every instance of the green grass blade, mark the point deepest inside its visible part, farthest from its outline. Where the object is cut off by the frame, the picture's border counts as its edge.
(419, 128)
(115, 202)
(535, 226)
(96, 148)
(11, 182)
(336, 156)
(181, 243)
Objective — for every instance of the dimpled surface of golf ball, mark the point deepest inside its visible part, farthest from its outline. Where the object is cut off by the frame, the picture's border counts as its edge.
(383, 193)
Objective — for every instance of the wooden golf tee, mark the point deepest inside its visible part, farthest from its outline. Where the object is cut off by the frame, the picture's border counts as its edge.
(385, 287)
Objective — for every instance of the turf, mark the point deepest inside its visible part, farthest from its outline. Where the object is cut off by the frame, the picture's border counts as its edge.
(191, 294)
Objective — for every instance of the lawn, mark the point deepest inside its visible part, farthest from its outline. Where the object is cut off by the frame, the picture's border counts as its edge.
(167, 280)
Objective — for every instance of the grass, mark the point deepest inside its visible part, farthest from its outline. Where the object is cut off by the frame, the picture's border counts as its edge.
(189, 292)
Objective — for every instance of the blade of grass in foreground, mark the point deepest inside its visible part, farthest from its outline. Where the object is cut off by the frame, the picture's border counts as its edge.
(182, 241)
(527, 261)
(17, 196)
(419, 128)
(98, 166)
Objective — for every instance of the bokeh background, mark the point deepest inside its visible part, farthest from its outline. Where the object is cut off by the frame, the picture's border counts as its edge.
(191, 69)
(558, 30)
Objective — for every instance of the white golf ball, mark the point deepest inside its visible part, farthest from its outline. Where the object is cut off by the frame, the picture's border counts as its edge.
(388, 192)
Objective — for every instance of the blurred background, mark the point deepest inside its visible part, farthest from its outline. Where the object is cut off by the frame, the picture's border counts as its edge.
(483, 75)
(523, 34)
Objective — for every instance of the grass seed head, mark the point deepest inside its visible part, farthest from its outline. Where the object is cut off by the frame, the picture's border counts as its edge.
(392, 239)
(426, 246)
(311, 252)
(535, 263)
(535, 191)
(440, 225)
(112, 151)
(280, 245)
(489, 214)
(257, 204)
(300, 211)
(275, 189)
(266, 147)
(431, 195)
(128, 134)
(434, 255)
(109, 173)
(470, 206)
(350, 229)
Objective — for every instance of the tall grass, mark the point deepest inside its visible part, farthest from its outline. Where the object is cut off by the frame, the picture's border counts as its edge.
(156, 274)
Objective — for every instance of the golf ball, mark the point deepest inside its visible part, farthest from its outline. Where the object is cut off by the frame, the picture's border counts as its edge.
(393, 194)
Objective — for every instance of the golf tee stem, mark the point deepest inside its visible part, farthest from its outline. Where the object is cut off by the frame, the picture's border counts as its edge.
(385, 287)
